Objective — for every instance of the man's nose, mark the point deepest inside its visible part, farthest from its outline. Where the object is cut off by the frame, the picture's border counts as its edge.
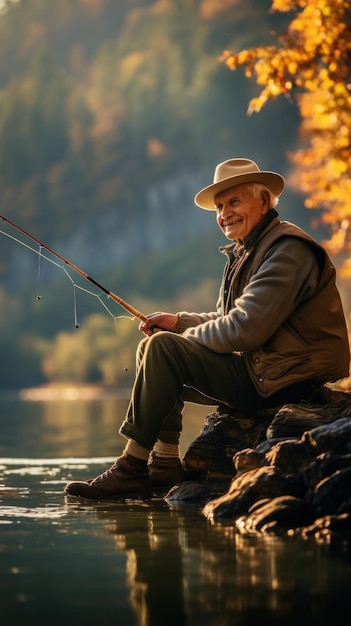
(226, 210)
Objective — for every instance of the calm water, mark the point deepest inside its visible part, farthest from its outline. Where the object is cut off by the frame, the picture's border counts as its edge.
(137, 564)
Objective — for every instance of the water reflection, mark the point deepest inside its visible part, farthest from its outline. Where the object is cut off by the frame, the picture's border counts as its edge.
(181, 570)
(140, 564)
(77, 428)
(154, 566)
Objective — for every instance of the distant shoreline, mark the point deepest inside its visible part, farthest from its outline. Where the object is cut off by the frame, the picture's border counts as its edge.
(69, 392)
(50, 392)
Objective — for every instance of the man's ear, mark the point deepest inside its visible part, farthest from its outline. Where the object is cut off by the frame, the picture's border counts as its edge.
(265, 201)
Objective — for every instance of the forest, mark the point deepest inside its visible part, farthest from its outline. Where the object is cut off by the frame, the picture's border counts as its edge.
(112, 116)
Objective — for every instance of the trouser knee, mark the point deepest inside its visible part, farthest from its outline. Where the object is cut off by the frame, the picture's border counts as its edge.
(163, 340)
(171, 346)
(141, 350)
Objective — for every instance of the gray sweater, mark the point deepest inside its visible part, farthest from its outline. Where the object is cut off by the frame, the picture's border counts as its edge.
(282, 311)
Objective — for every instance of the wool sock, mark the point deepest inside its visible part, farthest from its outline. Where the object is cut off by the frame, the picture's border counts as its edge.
(135, 449)
(166, 450)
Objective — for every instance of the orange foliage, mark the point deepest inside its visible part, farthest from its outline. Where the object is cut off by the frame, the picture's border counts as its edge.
(313, 64)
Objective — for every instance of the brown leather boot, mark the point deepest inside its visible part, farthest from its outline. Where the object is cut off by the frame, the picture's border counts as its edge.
(164, 472)
(128, 477)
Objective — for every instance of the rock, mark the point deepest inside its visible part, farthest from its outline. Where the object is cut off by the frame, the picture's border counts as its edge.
(293, 420)
(287, 470)
(275, 516)
(197, 492)
(289, 455)
(330, 526)
(336, 436)
(250, 487)
(329, 494)
(210, 456)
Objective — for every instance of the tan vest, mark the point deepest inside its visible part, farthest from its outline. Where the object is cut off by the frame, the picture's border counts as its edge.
(313, 341)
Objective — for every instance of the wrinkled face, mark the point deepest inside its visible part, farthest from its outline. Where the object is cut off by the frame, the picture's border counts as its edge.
(239, 212)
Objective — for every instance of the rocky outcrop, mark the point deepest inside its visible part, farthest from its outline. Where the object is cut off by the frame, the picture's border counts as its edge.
(286, 470)
(108, 237)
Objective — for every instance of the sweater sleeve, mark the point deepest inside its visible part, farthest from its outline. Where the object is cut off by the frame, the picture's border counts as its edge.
(288, 274)
(189, 320)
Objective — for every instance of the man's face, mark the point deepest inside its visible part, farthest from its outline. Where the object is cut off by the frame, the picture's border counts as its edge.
(239, 212)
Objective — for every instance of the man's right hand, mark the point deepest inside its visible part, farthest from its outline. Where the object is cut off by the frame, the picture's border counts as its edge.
(159, 321)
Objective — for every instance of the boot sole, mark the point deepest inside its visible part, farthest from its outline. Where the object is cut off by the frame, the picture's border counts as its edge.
(125, 496)
(91, 495)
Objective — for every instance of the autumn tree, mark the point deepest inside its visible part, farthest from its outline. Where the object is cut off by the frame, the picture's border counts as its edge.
(312, 66)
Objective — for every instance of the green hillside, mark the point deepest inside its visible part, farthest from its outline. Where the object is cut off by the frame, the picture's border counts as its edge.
(112, 114)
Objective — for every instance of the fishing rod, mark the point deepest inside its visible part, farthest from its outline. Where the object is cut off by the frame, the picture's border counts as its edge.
(110, 294)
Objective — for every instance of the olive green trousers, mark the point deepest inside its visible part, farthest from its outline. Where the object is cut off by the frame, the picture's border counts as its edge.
(171, 370)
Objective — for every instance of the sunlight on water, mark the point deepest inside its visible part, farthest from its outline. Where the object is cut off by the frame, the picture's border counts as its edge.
(33, 513)
(68, 462)
(69, 561)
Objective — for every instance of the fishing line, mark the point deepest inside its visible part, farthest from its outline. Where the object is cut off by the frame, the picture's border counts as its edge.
(128, 307)
(75, 286)
(25, 245)
(74, 297)
(90, 293)
(75, 307)
(38, 277)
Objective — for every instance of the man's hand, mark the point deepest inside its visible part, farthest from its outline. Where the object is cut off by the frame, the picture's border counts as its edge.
(159, 321)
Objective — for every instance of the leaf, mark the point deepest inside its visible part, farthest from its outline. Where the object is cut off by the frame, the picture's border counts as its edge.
(313, 60)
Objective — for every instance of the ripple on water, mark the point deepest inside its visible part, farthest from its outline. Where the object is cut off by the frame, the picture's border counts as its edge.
(37, 513)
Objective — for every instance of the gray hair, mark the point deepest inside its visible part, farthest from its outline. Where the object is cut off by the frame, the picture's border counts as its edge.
(257, 188)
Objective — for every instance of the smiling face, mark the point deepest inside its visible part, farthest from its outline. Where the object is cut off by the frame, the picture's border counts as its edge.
(239, 212)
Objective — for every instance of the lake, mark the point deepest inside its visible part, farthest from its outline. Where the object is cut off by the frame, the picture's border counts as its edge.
(66, 562)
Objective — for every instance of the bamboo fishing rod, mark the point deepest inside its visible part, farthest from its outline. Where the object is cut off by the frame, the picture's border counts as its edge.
(110, 294)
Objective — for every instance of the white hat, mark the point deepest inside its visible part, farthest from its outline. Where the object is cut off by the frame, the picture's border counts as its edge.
(236, 172)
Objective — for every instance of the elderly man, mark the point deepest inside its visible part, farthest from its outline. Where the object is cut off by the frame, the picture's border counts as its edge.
(278, 333)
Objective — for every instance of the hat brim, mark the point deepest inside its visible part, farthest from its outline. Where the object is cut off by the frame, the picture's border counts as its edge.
(205, 198)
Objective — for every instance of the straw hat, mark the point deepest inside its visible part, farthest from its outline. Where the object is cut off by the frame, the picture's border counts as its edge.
(236, 172)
